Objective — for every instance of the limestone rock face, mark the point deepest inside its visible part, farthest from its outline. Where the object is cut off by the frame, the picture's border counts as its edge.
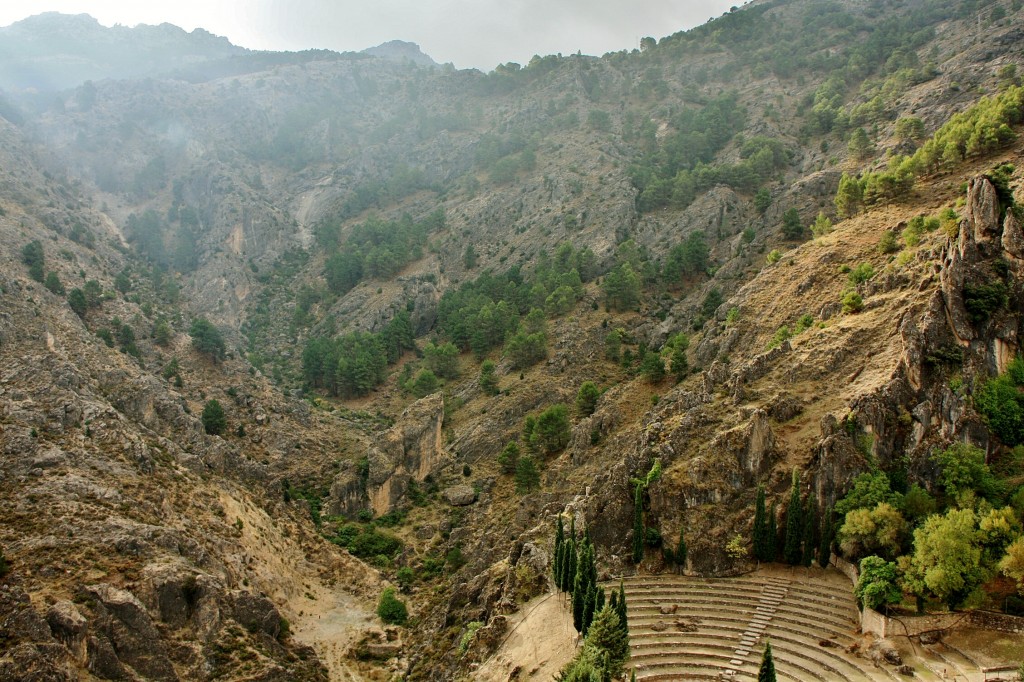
(123, 621)
(411, 450)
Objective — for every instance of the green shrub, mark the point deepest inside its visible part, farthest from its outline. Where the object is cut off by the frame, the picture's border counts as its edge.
(371, 542)
(1001, 402)
(214, 420)
(860, 274)
(33, 257)
(888, 244)
(586, 398)
(773, 256)
(852, 302)
(468, 635)
(781, 334)
(551, 430)
(981, 300)
(391, 609)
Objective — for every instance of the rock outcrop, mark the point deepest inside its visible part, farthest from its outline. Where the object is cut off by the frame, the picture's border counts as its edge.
(410, 451)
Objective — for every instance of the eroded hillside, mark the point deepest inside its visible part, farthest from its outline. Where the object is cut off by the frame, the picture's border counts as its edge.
(341, 219)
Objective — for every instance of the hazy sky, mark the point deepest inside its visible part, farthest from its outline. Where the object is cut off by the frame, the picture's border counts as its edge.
(469, 33)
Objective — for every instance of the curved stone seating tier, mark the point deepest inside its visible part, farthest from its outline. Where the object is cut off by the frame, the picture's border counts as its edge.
(806, 655)
(830, 601)
(716, 628)
(710, 602)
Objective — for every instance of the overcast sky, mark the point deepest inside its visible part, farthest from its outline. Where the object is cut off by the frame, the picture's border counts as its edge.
(469, 33)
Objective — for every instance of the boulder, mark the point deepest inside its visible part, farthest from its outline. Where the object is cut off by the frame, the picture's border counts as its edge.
(460, 495)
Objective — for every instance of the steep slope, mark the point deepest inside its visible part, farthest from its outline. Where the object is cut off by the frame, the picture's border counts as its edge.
(138, 545)
(297, 199)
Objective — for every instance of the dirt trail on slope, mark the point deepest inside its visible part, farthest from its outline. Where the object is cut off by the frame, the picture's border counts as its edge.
(330, 624)
(541, 640)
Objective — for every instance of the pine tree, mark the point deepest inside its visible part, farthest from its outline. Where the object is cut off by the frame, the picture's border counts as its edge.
(794, 524)
(607, 638)
(771, 545)
(810, 528)
(767, 671)
(556, 566)
(681, 550)
(638, 524)
(760, 527)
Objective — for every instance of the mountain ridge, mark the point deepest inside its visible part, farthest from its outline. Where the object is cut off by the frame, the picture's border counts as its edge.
(369, 236)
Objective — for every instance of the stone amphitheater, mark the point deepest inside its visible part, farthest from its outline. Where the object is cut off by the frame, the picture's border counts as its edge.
(715, 629)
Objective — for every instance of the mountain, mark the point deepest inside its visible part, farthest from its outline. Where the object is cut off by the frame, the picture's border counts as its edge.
(400, 50)
(53, 51)
(440, 309)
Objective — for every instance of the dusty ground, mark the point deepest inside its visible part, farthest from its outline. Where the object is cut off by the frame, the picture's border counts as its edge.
(541, 640)
(988, 647)
(329, 624)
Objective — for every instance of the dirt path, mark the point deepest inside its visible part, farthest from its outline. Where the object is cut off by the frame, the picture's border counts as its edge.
(329, 624)
(541, 640)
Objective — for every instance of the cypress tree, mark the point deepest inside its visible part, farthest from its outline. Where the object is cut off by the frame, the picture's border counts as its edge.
(578, 601)
(771, 545)
(581, 587)
(621, 610)
(556, 566)
(638, 524)
(810, 528)
(591, 562)
(825, 548)
(589, 607)
(767, 671)
(600, 602)
(794, 524)
(569, 564)
(760, 527)
(681, 550)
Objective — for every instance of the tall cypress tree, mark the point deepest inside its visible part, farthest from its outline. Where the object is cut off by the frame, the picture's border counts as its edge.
(569, 564)
(579, 596)
(620, 607)
(767, 671)
(810, 528)
(771, 546)
(760, 527)
(589, 607)
(581, 587)
(794, 524)
(825, 547)
(681, 550)
(638, 524)
(556, 566)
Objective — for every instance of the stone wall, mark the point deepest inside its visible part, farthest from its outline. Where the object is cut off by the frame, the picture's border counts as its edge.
(912, 626)
(991, 620)
(875, 623)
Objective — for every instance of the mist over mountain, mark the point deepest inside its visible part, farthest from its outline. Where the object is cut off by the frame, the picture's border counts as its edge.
(54, 51)
(305, 356)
